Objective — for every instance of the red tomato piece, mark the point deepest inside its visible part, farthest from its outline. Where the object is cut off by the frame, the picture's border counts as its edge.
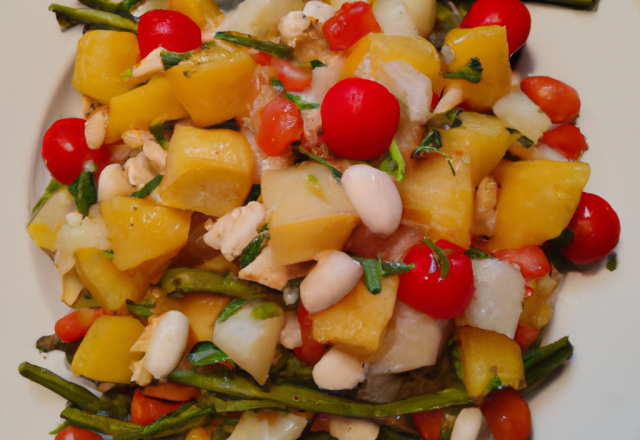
(262, 58)
(596, 229)
(526, 335)
(170, 30)
(311, 350)
(69, 328)
(567, 140)
(293, 78)
(424, 289)
(558, 100)
(281, 126)
(65, 150)
(145, 410)
(352, 22)
(507, 415)
(175, 392)
(531, 259)
(435, 99)
(73, 433)
(512, 14)
(429, 423)
(359, 118)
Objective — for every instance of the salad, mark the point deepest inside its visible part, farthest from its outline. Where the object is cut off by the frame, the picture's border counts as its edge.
(302, 220)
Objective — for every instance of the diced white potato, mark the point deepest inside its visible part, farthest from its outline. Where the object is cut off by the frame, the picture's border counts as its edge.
(338, 370)
(413, 340)
(467, 424)
(411, 87)
(235, 230)
(517, 111)
(74, 218)
(258, 17)
(324, 78)
(113, 183)
(497, 302)
(349, 428)
(379, 388)
(91, 233)
(268, 425)
(250, 342)
(423, 13)
(320, 11)
(545, 152)
(395, 19)
(291, 336)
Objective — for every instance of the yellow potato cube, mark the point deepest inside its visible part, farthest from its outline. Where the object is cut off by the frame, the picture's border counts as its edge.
(208, 171)
(104, 353)
(45, 224)
(142, 231)
(202, 12)
(489, 44)
(537, 200)
(202, 309)
(102, 58)
(486, 354)
(151, 103)
(537, 309)
(214, 85)
(306, 214)
(357, 321)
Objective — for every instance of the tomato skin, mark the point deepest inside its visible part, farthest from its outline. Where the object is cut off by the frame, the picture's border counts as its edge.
(171, 30)
(75, 325)
(507, 415)
(293, 78)
(74, 433)
(311, 350)
(351, 22)
(145, 410)
(423, 289)
(429, 423)
(596, 229)
(531, 259)
(359, 118)
(558, 100)
(567, 140)
(512, 14)
(281, 126)
(262, 58)
(172, 391)
(526, 335)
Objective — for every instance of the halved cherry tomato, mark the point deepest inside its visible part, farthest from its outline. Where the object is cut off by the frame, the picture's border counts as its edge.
(435, 99)
(65, 150)
(567, 140)
(359, 118)
(512, 14)
(262, 58)
(531, 259)
(507, 415)
(75, 325)
(424, 289)
(73, 433)
(293, 78)
(175, 392)
(145, 410)
(596, 229)
(526, 335)
(311, 350)
(558, 100)
(352, 21)
(170, 30)
(429, 423)
(281, 126)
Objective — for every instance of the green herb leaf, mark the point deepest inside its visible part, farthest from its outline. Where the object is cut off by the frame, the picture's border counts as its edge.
(336, 174)
(376, 269)
(157, 130)
(312, 178)
(53, 186)
(612, 264)
(266, 311)
(207, 353)
(277, 50)
(126, 74)
(446, 121)
(84, 191)
(394, 164)
(148, 188)
(300, 103)
(472, 72)
(455, 356)
(59, 428)
(432, 143)
(253, 249)
(477, 254)
(231, 308)
(388, 268)
(441, 257)
(277, 84)
(108, 254)
(317, 63)
(171, 59)
(139, 310)
(553, 251)
(254, 194)
(511, 157)
(495, 383)
(525, 142)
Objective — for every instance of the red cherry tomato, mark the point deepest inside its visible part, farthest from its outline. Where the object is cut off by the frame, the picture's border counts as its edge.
(526, 335)
(76, 324)
(352, 21)
(145, 410)
(73, 433)
(596, 229)
(65, 150)
(512, 14)
(172, 391)
(293, 78)
(558, 100)
(531, 259)
(281, 126)
(170, 30)
(507, 415)
(423, 288)
(262, 58)
(359, 118)
(429, 423)
(567, 140)
(311, 350)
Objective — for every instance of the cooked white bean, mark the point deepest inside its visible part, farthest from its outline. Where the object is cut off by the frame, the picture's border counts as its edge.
(291, 336)
(235, 230)
(319, 10)
(95, 129)
(348, 428)
(467, 425)
(167, 344)
(293, 24)
(338, 370)
(113, 183)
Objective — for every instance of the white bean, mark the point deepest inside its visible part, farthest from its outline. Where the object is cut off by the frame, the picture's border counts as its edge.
(113, 183)
(338, 370)
(319, 10)
(467, 425)
(348, 428)
(167, 344)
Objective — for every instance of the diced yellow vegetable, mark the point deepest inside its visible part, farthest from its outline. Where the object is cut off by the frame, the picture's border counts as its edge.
(45, 224)
(202, 309)
(305, 217)
(357, 321)
(142, 231)
(489, 44)
(537, 200)
(104, 353)
(436, 199)
(537, 309)
(368, 54)
(481, 140)
(208, 171)
(199, 433)
(151, 103)
(102, 58)
(214, 85)
(486, 354)
(110, 286)
(202, 12)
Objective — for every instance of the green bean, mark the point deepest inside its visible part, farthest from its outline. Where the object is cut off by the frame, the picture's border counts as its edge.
(183, 280)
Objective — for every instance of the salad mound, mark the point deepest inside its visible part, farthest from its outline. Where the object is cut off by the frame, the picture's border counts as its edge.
(314, 220)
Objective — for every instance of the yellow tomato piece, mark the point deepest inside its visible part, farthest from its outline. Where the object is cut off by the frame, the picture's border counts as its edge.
(202, 12)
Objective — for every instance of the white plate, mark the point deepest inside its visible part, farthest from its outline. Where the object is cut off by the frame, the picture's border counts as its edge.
(596, 397)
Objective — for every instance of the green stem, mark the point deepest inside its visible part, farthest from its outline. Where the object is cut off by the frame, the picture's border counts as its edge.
(183, 419)
(109, 6)
(221, 405)
(539, 363)
(53, 186)
(103, 425)
(277, 50)
(127, 5)
(101, 19)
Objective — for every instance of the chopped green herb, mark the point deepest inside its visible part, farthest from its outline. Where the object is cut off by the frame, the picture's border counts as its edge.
(231, 308)
(300, 103)
(263, 228)
(126, 74)
(394, 164)
(525, 142)
(277, 84)
(472, 72)
(317, 63)
(148, 188)
(277, 50)
(511, 157)
(446, 121)
(84, 191)
(253, 249)
(336, 174)
(108, 254)
(207, 353)
(455, 356)
(495, 383)
(254, 194)
(157, 130)
(53, 186)
(432, 143)
(612, 264)
(441, 257)
(171, 59)
(477, 254)
(375, 269)
(312, 178)
(266, 311)
(140, 310)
